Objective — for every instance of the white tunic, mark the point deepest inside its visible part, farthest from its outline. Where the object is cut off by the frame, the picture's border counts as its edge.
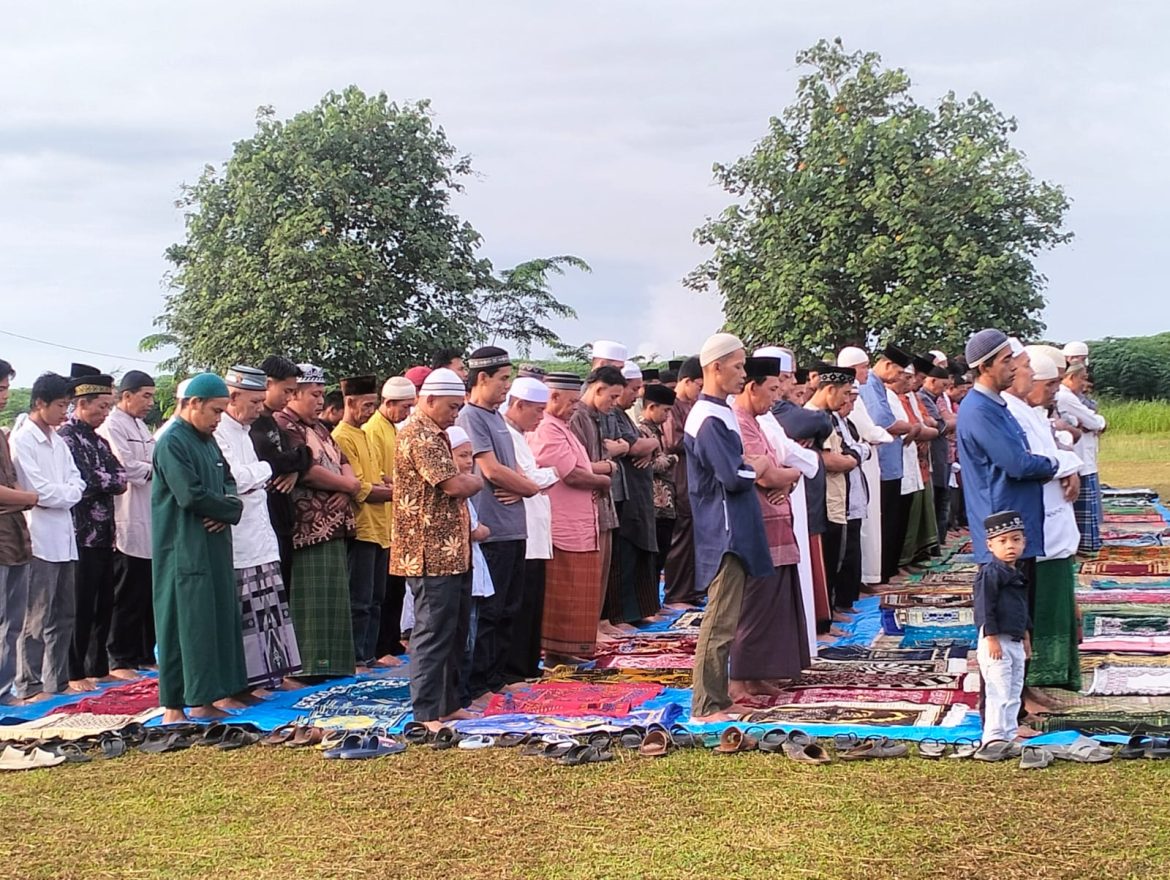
(253, 539)
(1074, 410)
(538, 508)
(871, 526)
(133, 446)
(911, 475)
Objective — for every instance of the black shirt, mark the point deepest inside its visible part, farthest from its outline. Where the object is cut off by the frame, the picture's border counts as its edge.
(1001, 600)
(271, 445)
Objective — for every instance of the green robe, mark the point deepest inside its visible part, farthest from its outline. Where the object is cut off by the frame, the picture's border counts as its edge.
(196, 609)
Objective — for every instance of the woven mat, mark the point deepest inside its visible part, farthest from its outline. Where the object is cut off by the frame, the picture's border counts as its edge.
(74, 725)
(1127, 569)
(948, 599)
(1115, 680)
(837, 696)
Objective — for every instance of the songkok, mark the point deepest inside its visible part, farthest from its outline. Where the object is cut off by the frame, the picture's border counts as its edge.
(852, 356)
(937, 372)
(1043, 369)
(1076, 349)
(531, 390)
(922, 364)
(690, 369)
(610, 351)
(1051, 352)
(1003, 522)
(443, 383)
(658, 394)
(984, 345)
(457, 436)
(80, 371)
(356, 386)
(1016, 346)
(488, 358)
(245, 379)
(787, 362)
(802, 377)
(398, 388)
(206, 386)
(718, 346)
(631, 370)
(181, 390)
(531, 371)
(563, 382)
(675, 365)
(834, 375)
(650, 374)
(668, 377)
(417, 375)
(135, 380)
(895, 355)
(92, 384)
(758, 368)
(310, 375)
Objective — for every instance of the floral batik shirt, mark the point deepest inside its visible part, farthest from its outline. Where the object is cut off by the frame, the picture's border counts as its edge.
(665, 493)
(316, 520)
(93, 515)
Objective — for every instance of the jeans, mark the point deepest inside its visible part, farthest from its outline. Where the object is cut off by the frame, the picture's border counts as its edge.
(1003, 682)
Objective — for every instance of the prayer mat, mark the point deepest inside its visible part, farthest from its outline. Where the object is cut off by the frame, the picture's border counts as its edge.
(847, 678)
(1106, 625)
(123, 699)
(942, 636)
(1145, 552)
(572, 699)
(666, 677)
(1062, 702)
(383, 703)
(957, 598)
(898, 714)
(74, 726)
(1133, 518)
(1102, 722)
(1093, 661)
(1110, 680)
(948, 578)
(820, 695)
(1139, 492)
(646, 661)
(1127, 569)
(923, 617)
(892, 655)
(1128, 644)
(688, 620)
(1139, 583)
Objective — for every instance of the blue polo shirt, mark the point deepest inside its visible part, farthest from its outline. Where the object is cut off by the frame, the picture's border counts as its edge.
(873, 392)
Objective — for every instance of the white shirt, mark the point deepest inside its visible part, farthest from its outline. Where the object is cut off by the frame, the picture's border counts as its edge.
(133, 445)
(870, 432)
(253, 539)
(911, 475)
(45, 465)
(481, 575)
(1061, 535)
(1073, 410)
(538, 508)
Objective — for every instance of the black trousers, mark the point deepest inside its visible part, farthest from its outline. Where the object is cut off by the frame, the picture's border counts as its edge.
(497, 614)
(894, 515)
(680, 562)
(390, 631)
(94, 597)
(664, 532)
(942, 511)
(848, 583)
(958, 509)
(523, 658)
(832, 549)
(442, 617)
(284, 546)
(131, 641)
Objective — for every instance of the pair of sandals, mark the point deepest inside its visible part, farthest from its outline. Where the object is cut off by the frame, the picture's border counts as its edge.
(295, 736)
(1140, 745)
(850, 747)
(938, 748)
(362, 746)
(229, 737)
(796, 745)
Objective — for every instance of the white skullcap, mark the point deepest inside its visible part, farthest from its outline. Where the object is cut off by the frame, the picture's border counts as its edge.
(530, 390)
(718, 346)
(1049, 351)
(1043, 368)
(851, 356)
(775, 352)
(311, 374)
(457, 436)
(181, 389)
(609, 351)
(1076, 349)
(631, 370)
(443, 383)
(398, 388)
(909, 368)
(938, 356)
(1016, 346)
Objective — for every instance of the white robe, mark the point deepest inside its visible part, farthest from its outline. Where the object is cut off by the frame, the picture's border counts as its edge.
(871, 526)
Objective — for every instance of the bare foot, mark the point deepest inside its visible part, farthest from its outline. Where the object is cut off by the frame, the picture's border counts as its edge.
(761, 688)
(290, 684)
(844, 616)
(713, 718)
(38, 698)
(150, 667)
(626, 628)
(262, 694)
(679, 606)
(361, 670)
(228, 703)
(81, 686)
(459, 715)
(390, 661)
(173, 716)
(837, 631)
(738, 710)
(209, 711)
(1025, 732)
(124, 675)
(433, 726)
(102, 679)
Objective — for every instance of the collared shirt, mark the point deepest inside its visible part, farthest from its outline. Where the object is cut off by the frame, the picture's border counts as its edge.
(383, 435)
(574, 511)
(432, 530)
(616, 425)
(316, 521)
(253, 538)
(663, 465)
(940, 468)
(44, 465)
(1001, 600)
(586, 424)
(133, 446)
(15, 544)
(777, 517)
(489, 433)
(877, 404)
(93, 515)
(537, 509)
(911, 472)
(372, 520)
(273, 445)
(1074, 410)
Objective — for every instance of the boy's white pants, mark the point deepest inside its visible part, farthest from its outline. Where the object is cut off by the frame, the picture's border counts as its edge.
(1003, 683)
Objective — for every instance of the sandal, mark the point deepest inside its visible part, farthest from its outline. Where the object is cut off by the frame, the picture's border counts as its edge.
(683, 738)
(560, 748)
(161, 740)
(773, 741)
(932, 748)
(416, 732)
(73, 753)
(112, 746)
(734, 740)
(304, 737)
(656, 744)
(998, 750)
(965, 748)
(213, 734)
(350, 743)
(446, 738)
(476, 741)
(1137, 747)
(281, 735)
(577, 755)
(237, 738)
(510, 739)
(631, 737)
(1036, 758)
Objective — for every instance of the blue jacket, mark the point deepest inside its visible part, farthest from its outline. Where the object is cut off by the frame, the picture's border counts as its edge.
(873, 392)
(726, 511)
(999, 473)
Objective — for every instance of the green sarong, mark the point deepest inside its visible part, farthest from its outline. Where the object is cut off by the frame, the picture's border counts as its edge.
(921, 527)
(1056, 661)
(320, 609)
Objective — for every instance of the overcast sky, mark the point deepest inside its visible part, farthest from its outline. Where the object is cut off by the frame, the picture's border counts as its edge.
(592, 127)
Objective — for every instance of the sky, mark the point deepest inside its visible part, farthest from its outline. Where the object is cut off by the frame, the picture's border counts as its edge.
(592, 129)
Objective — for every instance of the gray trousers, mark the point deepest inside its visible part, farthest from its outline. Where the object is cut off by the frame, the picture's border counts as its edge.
(42, 657)
(442, 615)
(13, 602)
(709, 679)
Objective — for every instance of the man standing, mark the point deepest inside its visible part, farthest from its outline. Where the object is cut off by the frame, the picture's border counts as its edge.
(369, 550)
(15, 552)
(398, 396)
(500, 509)
(432, 547)
(324, 519)
(450, 359)
(44, 466)
(131, 642)
(196, 608)
(270, 644)
(730, 543)
(932, 396)
(93, 518)
(1070, 403)
(657, 402)
(681, 589)
(333, 409)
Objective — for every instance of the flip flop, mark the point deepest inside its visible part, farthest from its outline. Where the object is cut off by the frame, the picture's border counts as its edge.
(372, 746)
(577, 755)
(72, 752)
(998, 750)
(683, 738)
(113, 746)
(932, 748)
(795, 741)
(631, 737)
(1036, 758)
(281, 735)
(559, 749)
(733, 741)
(656, 744)
(1136, 747)
(161, 740)
(446, 738)
(213, 734)
(350, 743)
(876, 747)
(773, 741)
(476, 741)
(133, 734)
(965, 748)
(416, 732)
(1083, 751)
(510, 739)
(237, 738)
(602, 740)
(843, 742)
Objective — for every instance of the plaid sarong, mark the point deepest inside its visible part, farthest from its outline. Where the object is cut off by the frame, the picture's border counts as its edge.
(1087, 508)
(573, 594)
(270, 643)
(320, 609)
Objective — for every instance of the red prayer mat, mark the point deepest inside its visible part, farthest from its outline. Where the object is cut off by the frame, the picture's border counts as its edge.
(123, 699)
(573, 698)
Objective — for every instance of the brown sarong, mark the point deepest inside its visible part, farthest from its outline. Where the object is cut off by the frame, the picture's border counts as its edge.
(573, 593)
(771, 640)
(820, 580)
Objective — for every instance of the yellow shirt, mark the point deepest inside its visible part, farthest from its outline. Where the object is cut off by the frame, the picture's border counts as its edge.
(384, 442)
(373, 523)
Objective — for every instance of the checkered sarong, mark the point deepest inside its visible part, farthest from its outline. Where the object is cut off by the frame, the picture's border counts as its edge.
(320, 609)
(1087, 508)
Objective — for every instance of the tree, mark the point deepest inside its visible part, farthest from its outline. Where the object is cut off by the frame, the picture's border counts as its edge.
(1136, 367)
(329, 237)
(865, 218)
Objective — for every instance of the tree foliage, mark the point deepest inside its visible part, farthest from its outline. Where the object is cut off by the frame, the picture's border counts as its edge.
(863, 217)
(330, 237)
(1135, 367)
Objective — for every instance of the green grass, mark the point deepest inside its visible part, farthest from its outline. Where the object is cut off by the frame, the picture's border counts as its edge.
(1137, 416)
(1136, 460)
(263, 814)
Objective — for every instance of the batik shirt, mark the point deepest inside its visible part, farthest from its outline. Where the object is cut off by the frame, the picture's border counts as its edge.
(663, 465)
(316, 521)
(93, 515)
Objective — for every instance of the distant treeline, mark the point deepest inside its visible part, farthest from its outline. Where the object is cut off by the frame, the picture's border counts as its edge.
(1132, 368)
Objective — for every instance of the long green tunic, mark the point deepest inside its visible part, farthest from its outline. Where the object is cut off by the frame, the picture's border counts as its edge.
(196, 610)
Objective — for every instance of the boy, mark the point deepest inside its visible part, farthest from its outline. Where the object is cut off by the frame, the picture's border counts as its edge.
(1001, 613)
(657, 401)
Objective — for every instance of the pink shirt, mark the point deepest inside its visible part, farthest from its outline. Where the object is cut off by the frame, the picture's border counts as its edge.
(574, 512)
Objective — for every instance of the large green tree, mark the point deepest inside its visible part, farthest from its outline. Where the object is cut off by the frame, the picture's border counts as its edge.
(864, 217)
(330, 237)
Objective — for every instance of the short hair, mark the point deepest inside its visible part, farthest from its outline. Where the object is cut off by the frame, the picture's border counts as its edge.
(6, 370)
(606, 376)
(444, 356)
(50, 387)
(335, 400)
(1076, 369)
(279, 368)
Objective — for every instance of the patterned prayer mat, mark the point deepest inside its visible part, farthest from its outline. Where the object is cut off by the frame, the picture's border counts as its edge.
(1105, 624)
(571, 699)
(383, 703)
(900, 714)
(821, 695)
(1090, 662)
(836, 677)
(671, 678)
(688, 620)
(1062, 702)
(1150, 552)
(75, 725)
(123, 699)
(1127, 569)
(1112, 680)
(948, 579)
(1133, 518)
(930, 636)
(1128, 644)
(646, 661)
(956, 598)
(863, 654)
(944, 617)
